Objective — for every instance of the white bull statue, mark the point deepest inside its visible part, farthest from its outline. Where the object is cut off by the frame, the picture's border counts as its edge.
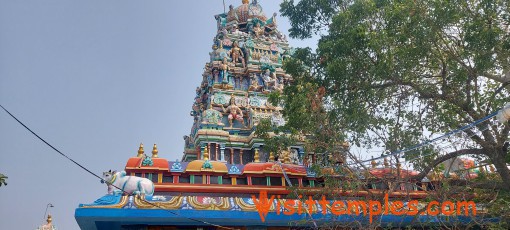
(119, 183)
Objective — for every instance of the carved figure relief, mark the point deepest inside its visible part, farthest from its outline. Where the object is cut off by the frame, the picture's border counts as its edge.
(216, 75)
(224, 71)
(258, 31)
(268, 80)
(231, 16)
(234, 112)
(212, 116)
(254, 83)
(237, 54)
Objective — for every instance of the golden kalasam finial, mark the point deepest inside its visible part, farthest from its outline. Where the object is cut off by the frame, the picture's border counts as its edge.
(374, 163)
(155, 151)
(206, 153)
(49, 220)
(246, 1)
(271, 157)
(256, 157)
(140, 150)
(286, 157)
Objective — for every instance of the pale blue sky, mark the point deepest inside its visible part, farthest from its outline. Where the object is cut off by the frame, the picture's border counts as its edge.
(95, 78)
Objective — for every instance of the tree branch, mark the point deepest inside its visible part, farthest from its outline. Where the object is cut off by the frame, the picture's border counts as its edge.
(479, 184)
(499, 78)
(443, 158)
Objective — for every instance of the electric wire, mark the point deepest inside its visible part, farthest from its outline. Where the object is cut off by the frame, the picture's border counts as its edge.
(51, 146)
(95, 175)
(429, 142)
(444, 147)
(438, 149)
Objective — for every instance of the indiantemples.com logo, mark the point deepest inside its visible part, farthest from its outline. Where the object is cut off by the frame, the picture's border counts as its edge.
(357, 207)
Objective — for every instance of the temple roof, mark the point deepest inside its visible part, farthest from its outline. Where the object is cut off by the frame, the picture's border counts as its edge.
(138, 162)
(271, 167)
(385, 172)
(197, 166)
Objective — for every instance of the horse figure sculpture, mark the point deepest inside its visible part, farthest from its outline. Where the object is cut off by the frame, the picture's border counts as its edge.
(119, 183)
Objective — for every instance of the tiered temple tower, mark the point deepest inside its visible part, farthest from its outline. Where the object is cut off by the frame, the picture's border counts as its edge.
(245, 66)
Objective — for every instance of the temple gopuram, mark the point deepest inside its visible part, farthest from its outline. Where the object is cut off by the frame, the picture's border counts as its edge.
(245, 66)
(224, 163)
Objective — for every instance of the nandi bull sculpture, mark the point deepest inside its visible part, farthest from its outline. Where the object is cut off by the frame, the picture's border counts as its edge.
(119, 183)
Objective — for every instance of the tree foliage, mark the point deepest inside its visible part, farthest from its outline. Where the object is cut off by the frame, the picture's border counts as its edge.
(308, 122)
(3, 179)
(276, 140)
(396, 73)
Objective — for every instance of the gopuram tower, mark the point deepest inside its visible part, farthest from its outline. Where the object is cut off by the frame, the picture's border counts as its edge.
(245, 66)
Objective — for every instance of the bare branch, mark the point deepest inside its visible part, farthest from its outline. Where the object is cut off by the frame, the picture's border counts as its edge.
(499, 78)
(482, 185)
(443, 158)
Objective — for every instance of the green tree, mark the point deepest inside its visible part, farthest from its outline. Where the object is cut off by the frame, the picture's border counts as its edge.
(3, 179)
(308, 121)
(396, 73)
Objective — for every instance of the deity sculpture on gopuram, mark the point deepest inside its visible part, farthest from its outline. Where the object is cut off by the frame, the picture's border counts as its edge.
(234, 112)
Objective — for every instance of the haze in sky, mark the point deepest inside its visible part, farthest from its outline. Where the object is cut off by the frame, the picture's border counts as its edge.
(95, 78)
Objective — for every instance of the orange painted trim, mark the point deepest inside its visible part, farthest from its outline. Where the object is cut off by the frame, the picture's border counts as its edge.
(273, 172)
(251, 189)
(207, 171)
(208, 188)
(147, 168)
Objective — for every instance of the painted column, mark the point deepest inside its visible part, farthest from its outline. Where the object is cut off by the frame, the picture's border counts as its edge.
(301, 154)
(241, 155)
(210, 151)
(217, 150)
(222, 149)
(202, 148)
(231, 155)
